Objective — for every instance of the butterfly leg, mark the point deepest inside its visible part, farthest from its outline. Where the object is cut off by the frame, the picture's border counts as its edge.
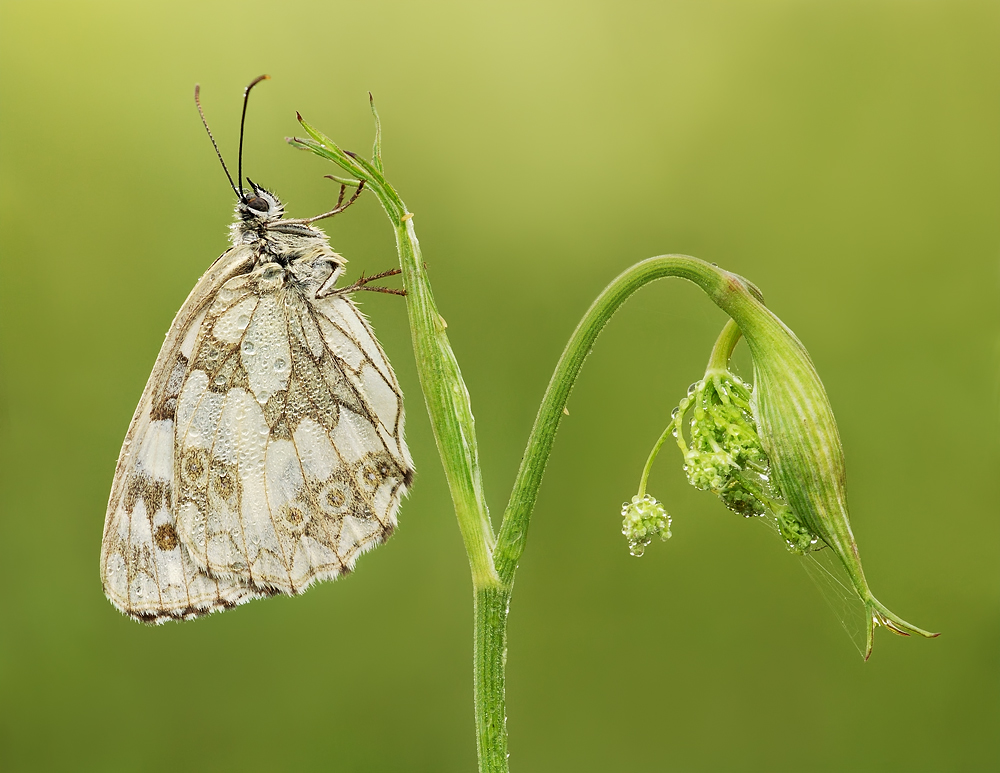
(340, 202)
(362, 284)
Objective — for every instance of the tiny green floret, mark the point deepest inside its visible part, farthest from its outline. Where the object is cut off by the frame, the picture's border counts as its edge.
(642, 519)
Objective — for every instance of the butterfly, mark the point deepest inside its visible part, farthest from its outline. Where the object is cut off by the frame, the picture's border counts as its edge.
(267, 450)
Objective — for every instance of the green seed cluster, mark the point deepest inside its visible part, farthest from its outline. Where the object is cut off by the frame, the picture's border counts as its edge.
(642, 519)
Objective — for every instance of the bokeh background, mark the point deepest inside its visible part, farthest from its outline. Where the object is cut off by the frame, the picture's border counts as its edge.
(843, 155)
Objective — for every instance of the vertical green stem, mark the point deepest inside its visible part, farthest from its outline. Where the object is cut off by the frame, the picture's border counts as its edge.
(449, 408)
(448, 404)
(490, 655)
(494, 560)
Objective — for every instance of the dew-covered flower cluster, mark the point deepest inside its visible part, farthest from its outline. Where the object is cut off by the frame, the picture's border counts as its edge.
(642, 519)
(726, 456)
(724, 439)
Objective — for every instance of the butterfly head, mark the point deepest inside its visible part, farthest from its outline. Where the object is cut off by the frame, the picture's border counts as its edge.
(258, 205)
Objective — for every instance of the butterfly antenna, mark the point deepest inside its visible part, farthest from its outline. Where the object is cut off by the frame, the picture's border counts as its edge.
(243, 118)
(197, 101)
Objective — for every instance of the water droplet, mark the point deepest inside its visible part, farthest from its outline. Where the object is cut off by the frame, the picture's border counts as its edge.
(220, 380)
(692, 388)
(242, 321)
(248, 347)
(279, 364)
(674, 412)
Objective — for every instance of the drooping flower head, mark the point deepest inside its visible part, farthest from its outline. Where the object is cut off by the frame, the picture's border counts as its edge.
(798, 434)
(773, 447)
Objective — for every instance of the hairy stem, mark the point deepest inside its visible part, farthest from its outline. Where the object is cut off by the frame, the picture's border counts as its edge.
(490, 657)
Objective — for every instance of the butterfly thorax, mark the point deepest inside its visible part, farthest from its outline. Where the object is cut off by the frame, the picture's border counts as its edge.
(298, 247)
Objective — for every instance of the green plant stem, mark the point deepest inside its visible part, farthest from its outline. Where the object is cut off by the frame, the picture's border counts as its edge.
(493, 561)
(652, 457)
(450, 409)
(448, 404)
(724, 346)
(450, 412)
(721, 286)
(490, 658)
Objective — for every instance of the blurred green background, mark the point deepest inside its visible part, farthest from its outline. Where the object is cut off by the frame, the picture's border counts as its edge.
(845, 156)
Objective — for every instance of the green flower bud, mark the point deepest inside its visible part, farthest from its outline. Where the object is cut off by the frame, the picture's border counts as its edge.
(799, 434)
(642, 519)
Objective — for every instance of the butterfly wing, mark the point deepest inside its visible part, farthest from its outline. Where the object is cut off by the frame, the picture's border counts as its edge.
(147, 573)
(290, 453)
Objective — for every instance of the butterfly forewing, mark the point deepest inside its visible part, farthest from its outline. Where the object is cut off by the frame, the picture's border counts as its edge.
(272, 432)
(146, 572)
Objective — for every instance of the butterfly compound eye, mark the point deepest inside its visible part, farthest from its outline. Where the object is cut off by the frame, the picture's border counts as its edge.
(258, 204)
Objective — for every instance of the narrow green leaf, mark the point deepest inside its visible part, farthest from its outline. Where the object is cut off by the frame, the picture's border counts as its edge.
(377, 148)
